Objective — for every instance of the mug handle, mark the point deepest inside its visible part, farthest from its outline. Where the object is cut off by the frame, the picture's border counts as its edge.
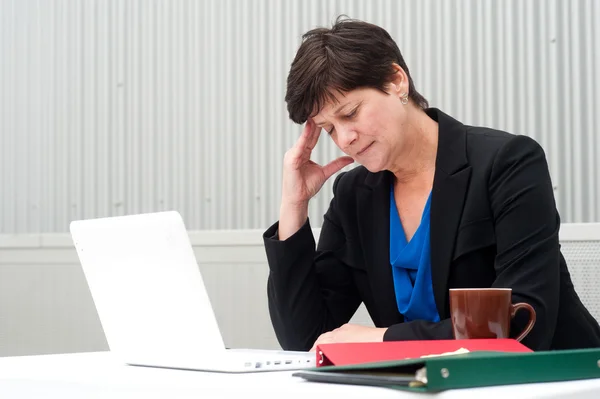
(522, 305)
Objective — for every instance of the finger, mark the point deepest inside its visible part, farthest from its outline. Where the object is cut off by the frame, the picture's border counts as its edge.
(336, 165)
(314, 137)
(297, 158)
(325, 337)
(314, 347)
(300, 149)
(318, 341)
(306, 135)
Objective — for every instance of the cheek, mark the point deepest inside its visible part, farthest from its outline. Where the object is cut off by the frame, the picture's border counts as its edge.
(377, 122)
(370, 122)
(393, 115)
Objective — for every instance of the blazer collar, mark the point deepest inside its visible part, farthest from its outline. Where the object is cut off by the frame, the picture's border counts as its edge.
(452, 144)
(450, 183)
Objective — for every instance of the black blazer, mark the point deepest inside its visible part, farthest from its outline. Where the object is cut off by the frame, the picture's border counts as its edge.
(494, 223)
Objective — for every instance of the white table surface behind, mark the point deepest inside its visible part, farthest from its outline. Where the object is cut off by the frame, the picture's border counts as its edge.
(98, 375)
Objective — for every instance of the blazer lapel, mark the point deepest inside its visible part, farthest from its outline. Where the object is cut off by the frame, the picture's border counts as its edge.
(374, 227)
(450, 183)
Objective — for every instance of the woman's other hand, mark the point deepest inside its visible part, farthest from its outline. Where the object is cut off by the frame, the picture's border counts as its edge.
(351, 333)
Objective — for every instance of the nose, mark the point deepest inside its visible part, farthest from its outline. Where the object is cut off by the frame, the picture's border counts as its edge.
(346, 136)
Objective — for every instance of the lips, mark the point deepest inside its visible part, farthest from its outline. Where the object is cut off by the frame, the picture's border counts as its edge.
(361, 152)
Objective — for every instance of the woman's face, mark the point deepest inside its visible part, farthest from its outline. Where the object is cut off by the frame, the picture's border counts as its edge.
(368, 125)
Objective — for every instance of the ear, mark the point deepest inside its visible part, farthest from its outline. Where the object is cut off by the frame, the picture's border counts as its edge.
(399, 83)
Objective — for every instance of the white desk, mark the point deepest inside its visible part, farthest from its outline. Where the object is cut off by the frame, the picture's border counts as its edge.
(97, 375)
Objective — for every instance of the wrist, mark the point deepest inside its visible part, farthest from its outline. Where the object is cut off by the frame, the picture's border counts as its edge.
(294, 207)
(381, 333)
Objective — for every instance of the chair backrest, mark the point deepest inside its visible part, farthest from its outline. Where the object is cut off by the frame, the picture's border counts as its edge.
(580, 245)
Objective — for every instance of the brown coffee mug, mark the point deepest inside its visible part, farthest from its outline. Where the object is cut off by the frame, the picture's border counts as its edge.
(485, 313)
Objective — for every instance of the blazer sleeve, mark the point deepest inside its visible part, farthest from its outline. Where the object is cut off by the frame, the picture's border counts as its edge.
(310, 290)
(527, 246)
(527, 243)
(419, 330)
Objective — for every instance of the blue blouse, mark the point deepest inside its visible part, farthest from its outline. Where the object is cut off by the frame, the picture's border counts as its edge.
(411, 267)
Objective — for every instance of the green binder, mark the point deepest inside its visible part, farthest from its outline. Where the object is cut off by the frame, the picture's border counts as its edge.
(468, 370)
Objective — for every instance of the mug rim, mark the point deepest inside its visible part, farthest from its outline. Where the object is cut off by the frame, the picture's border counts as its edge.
(480, 289)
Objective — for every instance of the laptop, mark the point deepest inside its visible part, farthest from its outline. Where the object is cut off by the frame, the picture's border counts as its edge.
(151, 300)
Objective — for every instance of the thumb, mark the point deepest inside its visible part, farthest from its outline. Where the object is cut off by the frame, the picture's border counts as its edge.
(336, 165)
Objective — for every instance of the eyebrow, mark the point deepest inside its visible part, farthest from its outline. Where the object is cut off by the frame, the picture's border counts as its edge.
(339, 110)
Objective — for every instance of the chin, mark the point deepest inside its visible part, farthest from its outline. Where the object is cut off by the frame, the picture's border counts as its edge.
(373, 167)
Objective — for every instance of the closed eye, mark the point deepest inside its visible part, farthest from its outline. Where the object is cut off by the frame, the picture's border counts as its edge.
(351, 114)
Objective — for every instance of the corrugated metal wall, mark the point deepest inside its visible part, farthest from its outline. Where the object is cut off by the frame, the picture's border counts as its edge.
(116, 107)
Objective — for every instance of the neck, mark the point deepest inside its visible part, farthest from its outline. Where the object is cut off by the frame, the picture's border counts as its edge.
(418, 155)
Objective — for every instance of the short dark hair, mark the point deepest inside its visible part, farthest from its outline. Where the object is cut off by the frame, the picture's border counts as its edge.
(350, 55)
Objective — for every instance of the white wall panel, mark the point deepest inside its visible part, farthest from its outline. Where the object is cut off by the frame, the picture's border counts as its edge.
(112, 107)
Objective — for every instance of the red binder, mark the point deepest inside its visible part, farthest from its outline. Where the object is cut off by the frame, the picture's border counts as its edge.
(365, 352)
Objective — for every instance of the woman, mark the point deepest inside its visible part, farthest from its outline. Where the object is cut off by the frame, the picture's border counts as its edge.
(434, 205)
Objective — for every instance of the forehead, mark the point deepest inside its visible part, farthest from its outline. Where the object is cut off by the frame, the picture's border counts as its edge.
(337, 100)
